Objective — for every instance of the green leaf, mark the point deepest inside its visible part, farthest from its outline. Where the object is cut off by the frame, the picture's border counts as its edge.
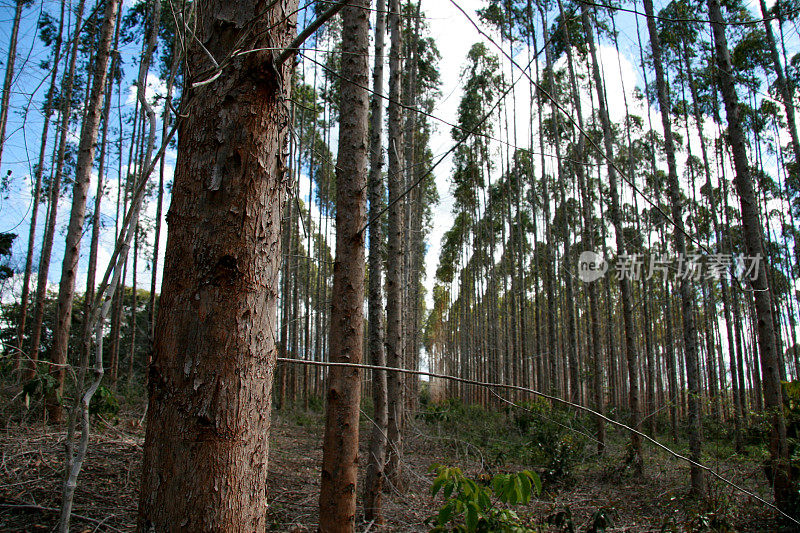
(445, 514)
(508, 490)
(484, 501)
(525, 484)
(437, 484)
(448, 489)
(497, 484)
(537, 482)
(472, 516)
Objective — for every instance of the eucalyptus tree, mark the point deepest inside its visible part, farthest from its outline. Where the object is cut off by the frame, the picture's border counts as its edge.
(338, 492)
(684, 41)
(209, 404)
(753, 240)
(394, 251)
(785, 88)
(471, 162)
(631, 355)
(588, 231)
(373, 482)
(679, 235)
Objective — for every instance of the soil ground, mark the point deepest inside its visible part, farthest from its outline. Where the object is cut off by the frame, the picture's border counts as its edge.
(31, 465)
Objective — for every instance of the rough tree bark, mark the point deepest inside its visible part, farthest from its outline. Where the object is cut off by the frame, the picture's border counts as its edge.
(208, 418)
(373, 482)
(394, 290)
(337, 499)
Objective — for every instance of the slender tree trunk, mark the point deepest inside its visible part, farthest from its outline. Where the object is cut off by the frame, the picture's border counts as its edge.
(176, 57)
(340, 446)
(12, 56)
(376, 459)
(614, 212)
(37, 192)
(712, 195)
(687, 303)
(88, 298)
(753, 241)
(55, 193)
(394, 290)
(83, 170)
(208, 418)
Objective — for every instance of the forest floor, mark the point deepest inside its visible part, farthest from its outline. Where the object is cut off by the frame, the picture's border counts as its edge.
(32, 463)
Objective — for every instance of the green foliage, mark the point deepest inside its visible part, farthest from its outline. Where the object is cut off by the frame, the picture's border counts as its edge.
(471, 506)
(602, 519)
(532, 433)
(6, 242)
(550, 438)
(104, 403)
(42, 384)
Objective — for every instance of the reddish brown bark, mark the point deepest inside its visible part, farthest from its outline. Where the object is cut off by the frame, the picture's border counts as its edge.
(208, 419)
(337, 499)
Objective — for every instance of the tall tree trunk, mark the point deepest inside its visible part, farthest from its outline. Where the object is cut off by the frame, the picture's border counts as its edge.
(687, 303)
(712, 196)
(376, 458)
(753, 240)
(55, 193)
(784, 87)
(151, 322)
(88, 297)
(12, 56)
(587, 235)
(412, 222)
(337, 497)
(394, 289)
(624, 284)
(37, 192)
(80, 190)
(208, 417)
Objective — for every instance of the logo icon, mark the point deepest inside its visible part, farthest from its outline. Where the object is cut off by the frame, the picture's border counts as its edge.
(591, 266)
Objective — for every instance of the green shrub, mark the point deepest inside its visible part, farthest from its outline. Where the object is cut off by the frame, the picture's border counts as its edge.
(475, 507)
(104, 403)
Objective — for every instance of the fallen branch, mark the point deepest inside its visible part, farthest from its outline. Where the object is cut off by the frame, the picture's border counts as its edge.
(34, 507)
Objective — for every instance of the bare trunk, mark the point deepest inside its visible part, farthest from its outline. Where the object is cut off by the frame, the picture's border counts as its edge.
(753, 241)
(12, 56)
(687, 303)
(80, 190)
(210, 380)
(624, 284)
(55, 193)
(376, 459)
(37, 193)
(394, 289)
(337, 499)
